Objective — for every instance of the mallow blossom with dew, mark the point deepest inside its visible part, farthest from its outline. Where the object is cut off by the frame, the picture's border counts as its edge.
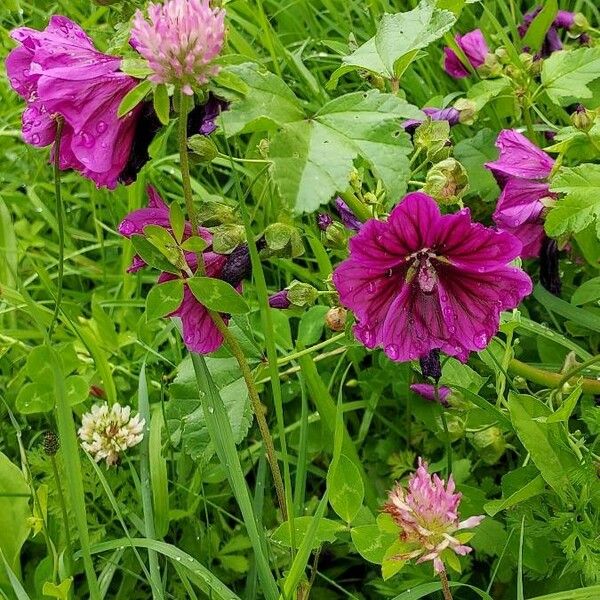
(108, 431)
(422, 281)
(180, 41)
(200, 334)
(427, 514)
(522, 171)
(475, 48)
(59, 72)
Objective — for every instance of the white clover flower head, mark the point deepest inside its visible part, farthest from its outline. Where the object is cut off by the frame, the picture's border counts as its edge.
(106, 432)
(427, 514)
(180, 41)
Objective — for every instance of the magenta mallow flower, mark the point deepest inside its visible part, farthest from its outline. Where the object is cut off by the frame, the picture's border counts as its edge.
(180, 41)
(474, 46)
(450, 114)
(552, 43)
(522, 170)
(59, 72)
(422, 281)
(200, 334)
(427, 514)
(202, 119)
(427, 391)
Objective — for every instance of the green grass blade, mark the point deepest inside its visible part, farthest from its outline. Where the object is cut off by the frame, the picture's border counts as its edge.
(221, 435)
(70, 450)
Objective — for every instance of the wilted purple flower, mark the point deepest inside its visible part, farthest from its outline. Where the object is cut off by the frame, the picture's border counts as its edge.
(181, 41)
(522, 170)
(200, 334)
(348, 218)
(59, 72)
(422, 281)
(450, 114)
(427, 391)
(202, 118)
(563, 20)
(549, 266)
(427, 514)
(280, 300)
(474, 46)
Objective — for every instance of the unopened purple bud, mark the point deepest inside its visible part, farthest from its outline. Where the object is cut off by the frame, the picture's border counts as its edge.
(324, 221)
(431, 365)
(427, 391)
(348, 217)
(238, 266)
(449, 114)
(564, 19)
(279, 300)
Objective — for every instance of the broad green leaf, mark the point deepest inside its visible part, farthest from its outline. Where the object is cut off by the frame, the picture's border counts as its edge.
(34, 398)
(326, 531)
(371, 543)
(77, 389)
(564, 411)
(311, 326)
(134, 97)
(217, 295)
(346, 488)
(152, 256)
(185, 418)
(545, 442)
(397, 41)
(536, 32)
(486, 90)
(14, 513)
(473, 153)
(161, 103)
(581, 204)
(177, 222)
(163, 299)
(588, 291)
(60, 591)
(391, 564)
(566, 74)
(265, 103)
(580, 316)
(313, 159)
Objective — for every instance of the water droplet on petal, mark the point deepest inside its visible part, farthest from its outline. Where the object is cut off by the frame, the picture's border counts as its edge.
(87, 140)
(371, 288)
(101, 127)
(35, 138)
(392, 351)
(480, 340)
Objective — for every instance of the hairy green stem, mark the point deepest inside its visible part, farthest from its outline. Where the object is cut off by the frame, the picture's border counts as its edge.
(572, 372)
(257, 408)
(445, 586)
(60, 219)
(548, 379)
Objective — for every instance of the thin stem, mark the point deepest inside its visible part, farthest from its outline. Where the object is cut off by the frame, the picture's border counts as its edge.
(446, 432)
(290, 357)
(184, 165)
(361, 210)
(445, 586)
(548, 379)
(60, 219)
(63, 510)
(257, 408)
(572, 372)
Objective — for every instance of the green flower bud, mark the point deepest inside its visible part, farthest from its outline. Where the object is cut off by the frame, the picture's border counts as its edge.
(490, 444)
(492, 67)
(203, 147)
(227, 237)
(582, 118)
(301, 294)
(335, 236)
(283, 240)
(447, 181)
(502, 55)
(467, 109)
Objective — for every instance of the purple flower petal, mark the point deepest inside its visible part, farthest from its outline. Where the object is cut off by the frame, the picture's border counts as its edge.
(474, 46)
(427, 391)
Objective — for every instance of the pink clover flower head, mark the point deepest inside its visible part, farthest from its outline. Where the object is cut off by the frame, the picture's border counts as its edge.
(200, 334)
(427, 514)
(180, 41)
(58, 71)
(474, 46)
(522, 170)
(422, 281)
(427, 391)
